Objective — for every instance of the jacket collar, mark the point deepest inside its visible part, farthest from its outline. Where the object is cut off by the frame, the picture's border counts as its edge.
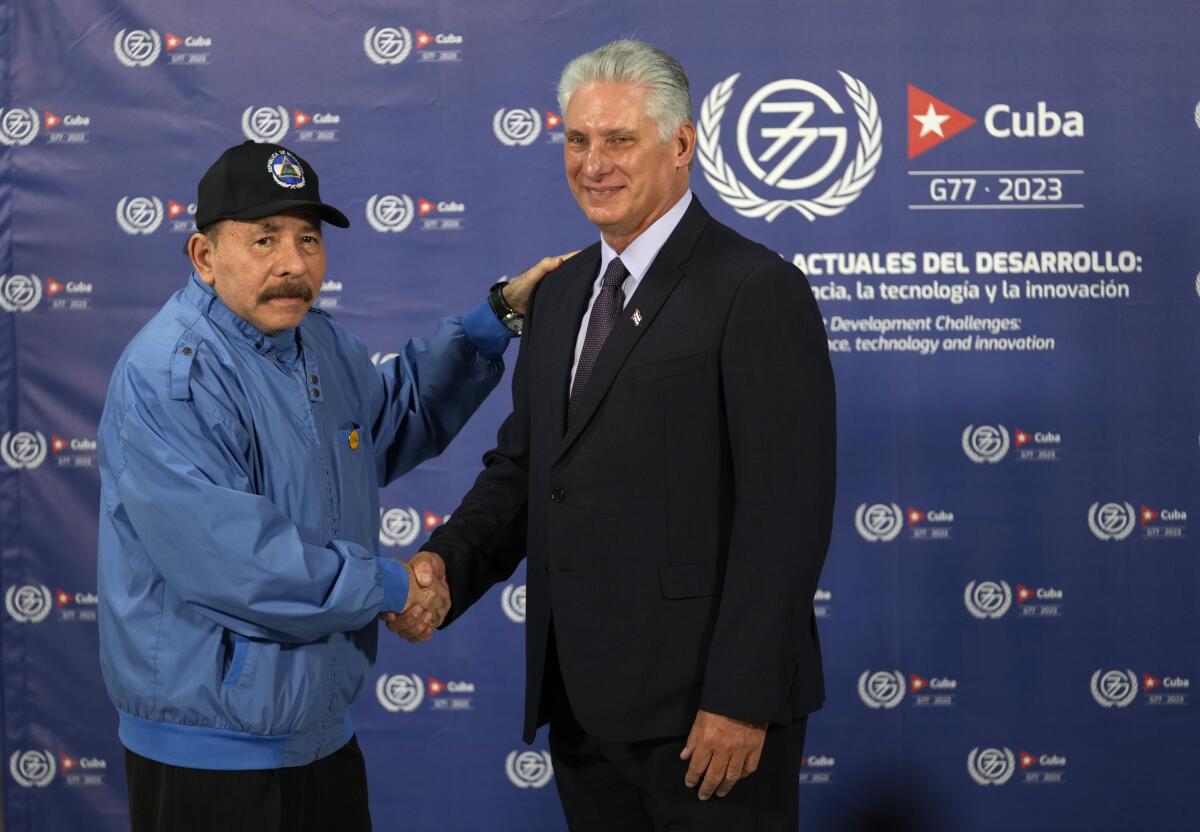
(285, 346)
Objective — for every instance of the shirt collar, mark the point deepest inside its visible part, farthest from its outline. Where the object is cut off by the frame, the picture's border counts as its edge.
(285, 345)
(639, 254)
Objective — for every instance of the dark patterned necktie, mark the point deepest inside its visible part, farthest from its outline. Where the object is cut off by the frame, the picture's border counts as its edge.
(606, 308)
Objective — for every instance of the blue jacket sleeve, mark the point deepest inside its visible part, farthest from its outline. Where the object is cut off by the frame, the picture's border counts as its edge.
(231, 553)
(432, 387)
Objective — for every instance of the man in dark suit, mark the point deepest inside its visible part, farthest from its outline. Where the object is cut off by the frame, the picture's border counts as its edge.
(668, 470)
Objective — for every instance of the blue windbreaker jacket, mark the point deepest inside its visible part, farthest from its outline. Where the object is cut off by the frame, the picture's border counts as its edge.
(239, 579)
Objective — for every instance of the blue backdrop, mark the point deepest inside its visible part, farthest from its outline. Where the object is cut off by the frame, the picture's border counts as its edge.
(996, 204)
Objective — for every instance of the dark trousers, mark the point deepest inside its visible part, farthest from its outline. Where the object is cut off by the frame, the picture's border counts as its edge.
(328, 794)
(608, 786)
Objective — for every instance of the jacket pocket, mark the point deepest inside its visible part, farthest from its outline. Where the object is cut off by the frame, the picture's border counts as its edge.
(356, 485)
(668, 367)
(237, 660)
(693, 579)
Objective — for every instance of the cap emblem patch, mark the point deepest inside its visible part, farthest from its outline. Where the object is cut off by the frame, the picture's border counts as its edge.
(285, 170)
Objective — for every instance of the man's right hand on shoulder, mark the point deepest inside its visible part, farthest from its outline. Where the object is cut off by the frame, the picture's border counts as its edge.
(516, 293)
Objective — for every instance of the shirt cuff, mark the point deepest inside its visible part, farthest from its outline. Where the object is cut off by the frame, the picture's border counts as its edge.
(485, 331)
(395, 585)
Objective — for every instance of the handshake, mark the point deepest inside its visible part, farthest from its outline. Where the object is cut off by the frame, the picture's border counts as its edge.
(428, 599)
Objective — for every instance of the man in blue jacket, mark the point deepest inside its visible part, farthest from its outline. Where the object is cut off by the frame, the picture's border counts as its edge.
(242, 446)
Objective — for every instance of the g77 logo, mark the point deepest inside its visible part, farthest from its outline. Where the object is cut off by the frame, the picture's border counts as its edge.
(836, 197)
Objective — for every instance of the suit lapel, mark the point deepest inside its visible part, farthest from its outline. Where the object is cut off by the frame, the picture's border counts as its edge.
(653, 291)
(562, 329)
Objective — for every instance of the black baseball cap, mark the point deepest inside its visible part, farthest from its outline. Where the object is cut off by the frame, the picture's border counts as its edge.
(254, 180)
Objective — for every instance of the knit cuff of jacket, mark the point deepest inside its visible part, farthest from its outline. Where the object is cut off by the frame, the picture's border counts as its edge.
(394, 578)
(485, 331)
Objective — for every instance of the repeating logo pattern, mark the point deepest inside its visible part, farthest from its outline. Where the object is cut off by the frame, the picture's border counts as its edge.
(455, 695)
(1118, 688)
(1114, 688)
(18, 125)
(512, 601)
(823, 603)
(29, 604)
(991, 766)
(23, 449)
(1111, 521)
(317, 126)
(139, 214)
(32, 769)
(988, 599)
(516, 126)
(985, 443)
(330, 294)
(885, 689)
(443, 215)
(881, 689)
(845, 190)
(447, 46)
(400, 692)
(529, 769)
(71, 128)
(879, 522)
(20, 292)
(137, 47)
(187, 50)
(265, 124)
(817, 769)
(75, 606)
(390, 212)
(399, 526)
(989, 449)
(387, 44)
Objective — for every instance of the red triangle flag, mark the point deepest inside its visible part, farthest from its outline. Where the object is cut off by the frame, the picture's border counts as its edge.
(931, 121)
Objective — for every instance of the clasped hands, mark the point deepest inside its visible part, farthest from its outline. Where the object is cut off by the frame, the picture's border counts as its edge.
(428, 600)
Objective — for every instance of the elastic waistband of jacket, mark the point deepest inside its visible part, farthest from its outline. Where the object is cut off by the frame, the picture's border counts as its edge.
(198, 746)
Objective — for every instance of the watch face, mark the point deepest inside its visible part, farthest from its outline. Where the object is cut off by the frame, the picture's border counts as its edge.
(515, 324)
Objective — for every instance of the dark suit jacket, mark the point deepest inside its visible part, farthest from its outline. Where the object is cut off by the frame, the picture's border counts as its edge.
(676, 528)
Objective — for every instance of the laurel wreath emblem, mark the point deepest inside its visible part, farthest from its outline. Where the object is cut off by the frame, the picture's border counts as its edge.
(991, 766)
(833, 201)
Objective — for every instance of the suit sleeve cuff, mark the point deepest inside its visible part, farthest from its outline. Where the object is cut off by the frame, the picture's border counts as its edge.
(484, 330)
(395, 585)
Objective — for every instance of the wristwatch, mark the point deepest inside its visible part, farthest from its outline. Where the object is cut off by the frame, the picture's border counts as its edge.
(512, 320)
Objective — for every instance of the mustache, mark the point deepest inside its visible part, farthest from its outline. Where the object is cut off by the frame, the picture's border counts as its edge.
(291, 289)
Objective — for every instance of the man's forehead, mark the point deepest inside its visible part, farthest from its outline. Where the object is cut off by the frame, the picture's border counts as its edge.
(613, 101)
(305, 217)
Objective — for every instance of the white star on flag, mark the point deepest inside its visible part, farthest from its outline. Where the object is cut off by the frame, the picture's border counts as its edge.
(931, 122)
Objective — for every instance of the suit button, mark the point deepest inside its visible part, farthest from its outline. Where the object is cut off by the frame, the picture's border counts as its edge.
(558, 495)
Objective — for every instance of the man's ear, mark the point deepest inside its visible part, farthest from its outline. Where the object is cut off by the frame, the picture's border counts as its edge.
(200, 250)
(685, 144)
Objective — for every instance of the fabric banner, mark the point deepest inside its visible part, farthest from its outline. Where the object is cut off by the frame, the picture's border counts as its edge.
(996, 205)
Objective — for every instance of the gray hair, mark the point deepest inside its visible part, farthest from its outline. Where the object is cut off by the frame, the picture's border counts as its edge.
(634, 62)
